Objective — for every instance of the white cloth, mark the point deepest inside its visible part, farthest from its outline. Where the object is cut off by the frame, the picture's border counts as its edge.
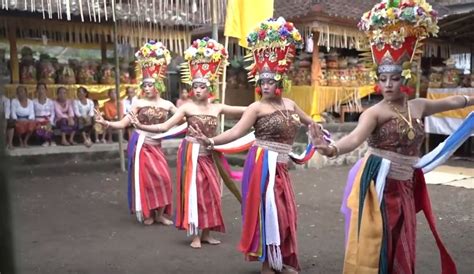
(5, 106)
(81, 110)
(18, 111)
(127, 104)
(46, 109)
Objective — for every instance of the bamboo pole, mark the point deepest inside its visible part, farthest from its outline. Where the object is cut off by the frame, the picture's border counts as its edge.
(224, 83)
(117, 92)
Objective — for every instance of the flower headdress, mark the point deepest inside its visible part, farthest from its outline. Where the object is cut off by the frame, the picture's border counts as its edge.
(205, 60)
(396, 29)
(273, 44)
(153, 58)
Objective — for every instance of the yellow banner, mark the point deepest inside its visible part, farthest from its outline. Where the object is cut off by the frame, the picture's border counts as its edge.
(325, 97)
(244, 15)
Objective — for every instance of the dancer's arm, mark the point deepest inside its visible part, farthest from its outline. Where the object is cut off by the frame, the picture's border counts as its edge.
(366, 125)
(232, 110)
(431, 107)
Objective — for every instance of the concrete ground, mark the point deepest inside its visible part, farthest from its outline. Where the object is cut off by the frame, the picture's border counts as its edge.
(78, 222)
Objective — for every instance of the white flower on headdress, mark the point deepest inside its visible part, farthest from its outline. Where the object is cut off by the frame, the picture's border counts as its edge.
(191, 51)
(159, 52)
(281, 20)
(208, 52)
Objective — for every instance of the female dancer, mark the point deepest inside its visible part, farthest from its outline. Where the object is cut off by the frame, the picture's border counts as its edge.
(385, 190)
(149, 181)
(198, 188)
(268, 202)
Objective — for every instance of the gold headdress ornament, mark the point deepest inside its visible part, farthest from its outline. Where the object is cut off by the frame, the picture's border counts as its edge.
(205, 60)
(153, 59)
(396, 30)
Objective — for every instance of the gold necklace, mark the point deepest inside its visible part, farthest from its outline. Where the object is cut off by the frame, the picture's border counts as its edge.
(410, 131)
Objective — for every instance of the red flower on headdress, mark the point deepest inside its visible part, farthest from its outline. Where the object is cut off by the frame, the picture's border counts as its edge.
(262, 34)
(377, 89)
(407, 90)
(289, 26)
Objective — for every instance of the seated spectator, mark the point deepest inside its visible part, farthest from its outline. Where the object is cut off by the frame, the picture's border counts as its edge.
(99, 132)
(23, 112)
(44, 115)
(111, 113)
(127, 103)
(64, 117)
(84, 111)
(9, 125)
(183, 98)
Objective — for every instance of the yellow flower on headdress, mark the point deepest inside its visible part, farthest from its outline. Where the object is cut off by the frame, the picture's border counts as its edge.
(216, 56)
(373, 75)
(297, 36)
(406, 73)
(427, 7)
(145, 51)
(188, 56)
(391, 14)
(201, 50)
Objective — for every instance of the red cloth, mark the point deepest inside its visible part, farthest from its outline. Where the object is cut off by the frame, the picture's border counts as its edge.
(155, 180)
(287, 218)
(403, 199)
(208, 195)
(401, 223)
(24, 126)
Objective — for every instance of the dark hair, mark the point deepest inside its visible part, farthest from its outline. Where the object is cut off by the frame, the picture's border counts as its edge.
(84, 90)
(59, 88)
(41, 84)
(21, 87)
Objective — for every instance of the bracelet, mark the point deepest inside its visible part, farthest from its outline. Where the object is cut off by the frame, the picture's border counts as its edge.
(211, 145)
(466, 100)
(336, 150)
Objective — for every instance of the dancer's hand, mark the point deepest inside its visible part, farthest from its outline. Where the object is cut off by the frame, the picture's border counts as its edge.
(200, 137)
(98, 118)
(134, 120)
(317, 134)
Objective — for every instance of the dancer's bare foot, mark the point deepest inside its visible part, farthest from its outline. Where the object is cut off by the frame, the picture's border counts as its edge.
(196, 243)
(208, 239)
(266, 269)
(288, 270)
(10, 147)
(148, 221)
(163, 220)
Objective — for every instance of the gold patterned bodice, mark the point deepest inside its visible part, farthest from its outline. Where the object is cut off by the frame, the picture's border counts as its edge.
(392, 136)
(150, 115)
(275, 127)
(206, 123)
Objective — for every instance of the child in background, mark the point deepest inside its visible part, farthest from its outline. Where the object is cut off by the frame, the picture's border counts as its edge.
(98, 128)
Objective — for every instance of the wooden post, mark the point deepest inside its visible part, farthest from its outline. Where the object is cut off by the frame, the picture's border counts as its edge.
(14, 62)
(316, 65)
(103, 49)
(119, 102)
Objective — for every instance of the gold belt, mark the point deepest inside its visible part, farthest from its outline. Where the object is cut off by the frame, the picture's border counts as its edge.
(401, 167)
(280, 148)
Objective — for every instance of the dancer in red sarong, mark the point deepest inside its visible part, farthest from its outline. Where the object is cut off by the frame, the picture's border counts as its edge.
(149, 182)
(198, 189)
